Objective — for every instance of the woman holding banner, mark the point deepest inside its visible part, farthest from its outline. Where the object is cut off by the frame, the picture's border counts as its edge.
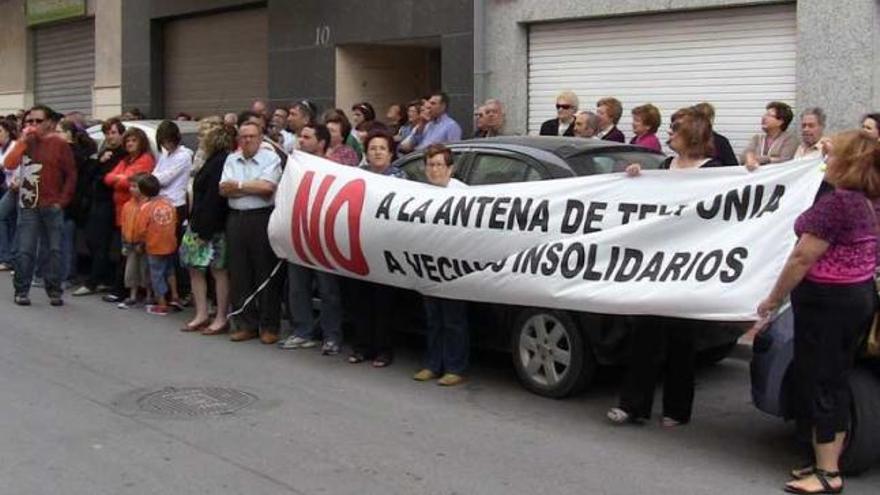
(373, 304)
(830, 277)
(690, 136)
(448, 340)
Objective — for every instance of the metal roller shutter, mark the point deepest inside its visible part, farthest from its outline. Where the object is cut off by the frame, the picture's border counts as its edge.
(737, 59)
(64, 66)
(216, 63)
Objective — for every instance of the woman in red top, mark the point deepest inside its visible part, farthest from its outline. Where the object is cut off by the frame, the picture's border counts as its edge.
(139, 160)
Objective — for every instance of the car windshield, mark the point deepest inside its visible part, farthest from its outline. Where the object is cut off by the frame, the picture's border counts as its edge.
(605, 162)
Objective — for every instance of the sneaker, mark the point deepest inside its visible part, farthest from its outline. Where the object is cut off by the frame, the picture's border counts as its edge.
(294, 342)
(83, 291)
(158, 310)
(111, 298)
(56, 301)
(103, 288)
(330, 348)
(128, 303)
(424, 375)
(22, 300)
(175, 306)
(5, 267)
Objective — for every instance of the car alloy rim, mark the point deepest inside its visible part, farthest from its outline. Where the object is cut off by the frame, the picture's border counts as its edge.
(545, 349)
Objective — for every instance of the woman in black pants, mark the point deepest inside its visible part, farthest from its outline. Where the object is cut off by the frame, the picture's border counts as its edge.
(830, 276)
(99, 226)
(660, 343)
(372, 304)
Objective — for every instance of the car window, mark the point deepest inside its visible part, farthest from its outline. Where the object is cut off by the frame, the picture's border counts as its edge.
(606, 162)
(501, 169)
(414, 167)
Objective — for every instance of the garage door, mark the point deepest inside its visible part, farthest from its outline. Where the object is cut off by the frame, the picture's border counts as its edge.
(216, 63)
(64, 66)
(736, 59)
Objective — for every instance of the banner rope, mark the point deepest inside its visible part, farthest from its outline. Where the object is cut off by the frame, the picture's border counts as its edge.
(254, 294)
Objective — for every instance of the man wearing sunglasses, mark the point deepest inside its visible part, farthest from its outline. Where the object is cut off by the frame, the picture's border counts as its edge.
(47, 187)
(563, 124)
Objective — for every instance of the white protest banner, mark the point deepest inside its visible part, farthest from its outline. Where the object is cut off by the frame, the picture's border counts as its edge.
(704, 244)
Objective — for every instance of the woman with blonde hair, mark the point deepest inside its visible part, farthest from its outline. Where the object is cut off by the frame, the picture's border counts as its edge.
(830, 277)
(203, 246)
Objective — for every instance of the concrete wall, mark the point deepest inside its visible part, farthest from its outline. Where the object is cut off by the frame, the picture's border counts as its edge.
(838, 58)
(303, 65)
(381, 75)
(838, 49)
(107, 95)
(16, 90)
(303, 36)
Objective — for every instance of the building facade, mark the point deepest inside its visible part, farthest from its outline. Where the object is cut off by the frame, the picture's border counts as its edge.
(213, 56)
(736, 54)
(66, 52)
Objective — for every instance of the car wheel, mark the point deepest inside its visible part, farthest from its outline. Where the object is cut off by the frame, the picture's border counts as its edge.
(863, 441)
(549, 353)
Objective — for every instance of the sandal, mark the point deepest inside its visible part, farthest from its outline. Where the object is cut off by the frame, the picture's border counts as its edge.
(668, 422)
(356, 358)
(216, 331)
(802, 472)
(620, 417)
(382, 361)
(822, 476)
(198, 327)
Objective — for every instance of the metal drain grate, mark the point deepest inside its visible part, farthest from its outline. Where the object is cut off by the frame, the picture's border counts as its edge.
(195, 401)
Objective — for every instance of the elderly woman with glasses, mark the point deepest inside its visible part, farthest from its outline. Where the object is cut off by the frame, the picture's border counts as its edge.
(563, 124)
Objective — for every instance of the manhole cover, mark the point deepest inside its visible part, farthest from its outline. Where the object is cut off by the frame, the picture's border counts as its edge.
(195, 401)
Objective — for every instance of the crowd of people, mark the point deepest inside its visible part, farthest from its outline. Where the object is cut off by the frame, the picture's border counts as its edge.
(175, 227)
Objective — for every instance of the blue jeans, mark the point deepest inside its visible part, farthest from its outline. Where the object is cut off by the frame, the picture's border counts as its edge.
(301, 281)
(448, 338)
(33, 223)
(161, 267)
(8, 206)
(68, 252)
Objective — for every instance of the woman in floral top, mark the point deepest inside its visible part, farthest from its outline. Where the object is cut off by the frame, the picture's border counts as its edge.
(830, 276)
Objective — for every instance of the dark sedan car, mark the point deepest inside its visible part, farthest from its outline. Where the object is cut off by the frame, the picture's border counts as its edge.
(580, 341)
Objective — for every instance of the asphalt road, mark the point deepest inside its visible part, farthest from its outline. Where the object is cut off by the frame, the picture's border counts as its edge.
(72, 422)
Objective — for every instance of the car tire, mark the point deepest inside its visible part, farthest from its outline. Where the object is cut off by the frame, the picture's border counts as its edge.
(863, 441)
(550, 354)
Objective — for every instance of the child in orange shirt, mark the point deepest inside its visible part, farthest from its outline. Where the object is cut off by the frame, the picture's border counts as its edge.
(137, 275)
(157, 229)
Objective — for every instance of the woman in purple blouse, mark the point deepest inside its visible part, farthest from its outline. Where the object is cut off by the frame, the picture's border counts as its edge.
(830, 276)
(646, 121)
